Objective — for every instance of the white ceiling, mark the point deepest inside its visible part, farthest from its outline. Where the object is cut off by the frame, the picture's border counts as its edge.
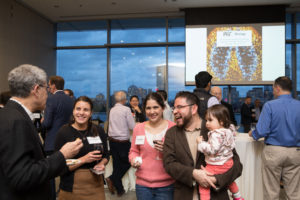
(65, 10)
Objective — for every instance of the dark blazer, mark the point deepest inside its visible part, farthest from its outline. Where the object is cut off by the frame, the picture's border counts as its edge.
(231, 114)
(58, 112)
(178, 162)
(246, 115)
(24, 170)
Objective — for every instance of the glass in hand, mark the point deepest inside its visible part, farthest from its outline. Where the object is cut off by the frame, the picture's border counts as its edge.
(156, 140)
(98, 147)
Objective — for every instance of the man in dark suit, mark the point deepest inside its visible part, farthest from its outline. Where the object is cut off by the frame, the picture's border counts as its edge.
(24, 170)
(181, 158)
(58, 111)
(246, 115)
(217, 92)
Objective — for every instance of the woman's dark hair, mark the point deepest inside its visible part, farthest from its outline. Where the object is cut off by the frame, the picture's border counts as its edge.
(221, 113)
(134, 96)
(91, 128)
(156, 97)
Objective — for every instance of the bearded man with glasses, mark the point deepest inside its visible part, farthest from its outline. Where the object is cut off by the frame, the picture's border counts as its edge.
(181, 158)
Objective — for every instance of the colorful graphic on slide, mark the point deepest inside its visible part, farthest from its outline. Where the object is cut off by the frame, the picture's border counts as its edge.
(234, 53)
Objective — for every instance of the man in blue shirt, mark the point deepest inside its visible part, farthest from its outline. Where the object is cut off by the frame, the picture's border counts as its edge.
(279, 124)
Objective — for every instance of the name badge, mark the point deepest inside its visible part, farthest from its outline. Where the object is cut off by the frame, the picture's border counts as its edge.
(94, 140)
(36, 115)
(140, 140)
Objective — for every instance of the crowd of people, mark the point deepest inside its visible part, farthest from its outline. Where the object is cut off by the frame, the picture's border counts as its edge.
(183, 152)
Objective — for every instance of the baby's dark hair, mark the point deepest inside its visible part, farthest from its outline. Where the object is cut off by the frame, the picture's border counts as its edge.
(221, 113)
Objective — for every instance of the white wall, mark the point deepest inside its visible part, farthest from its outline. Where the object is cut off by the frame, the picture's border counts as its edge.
(25, 37)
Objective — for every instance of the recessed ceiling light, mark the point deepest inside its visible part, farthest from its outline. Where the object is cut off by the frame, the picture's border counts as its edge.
(56, 6)
(113, 3)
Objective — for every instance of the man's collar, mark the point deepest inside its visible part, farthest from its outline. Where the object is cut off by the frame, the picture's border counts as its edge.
(57, 91)
(30, 114)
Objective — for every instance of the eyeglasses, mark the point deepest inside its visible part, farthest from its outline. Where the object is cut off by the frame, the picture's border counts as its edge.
(180, 107)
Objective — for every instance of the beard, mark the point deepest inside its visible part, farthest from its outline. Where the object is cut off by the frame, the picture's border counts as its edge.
(185, 121)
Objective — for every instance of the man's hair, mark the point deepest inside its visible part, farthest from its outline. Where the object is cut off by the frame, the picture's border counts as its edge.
(71, 93)
(202, 79)
(163, 93)
(190, 97)
(23, 78)
(120, 96)
(221, 113)
(285, 83)
(58, 81)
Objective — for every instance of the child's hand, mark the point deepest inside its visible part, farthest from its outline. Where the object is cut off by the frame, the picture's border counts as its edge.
(199, 139)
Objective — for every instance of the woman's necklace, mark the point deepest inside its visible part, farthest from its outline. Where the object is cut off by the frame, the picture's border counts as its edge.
(82, 133)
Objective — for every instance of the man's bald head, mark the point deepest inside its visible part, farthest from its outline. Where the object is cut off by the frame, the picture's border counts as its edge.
(217, 92)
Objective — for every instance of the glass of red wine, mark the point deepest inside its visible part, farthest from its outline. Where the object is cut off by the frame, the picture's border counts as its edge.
(98, 147)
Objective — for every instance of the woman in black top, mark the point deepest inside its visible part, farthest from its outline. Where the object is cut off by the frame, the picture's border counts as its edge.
(136, 111)
(82, 180)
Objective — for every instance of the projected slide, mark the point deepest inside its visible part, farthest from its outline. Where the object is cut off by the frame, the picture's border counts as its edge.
(236, 54)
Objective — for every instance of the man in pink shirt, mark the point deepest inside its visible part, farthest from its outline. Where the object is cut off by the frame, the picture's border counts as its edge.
(121, 122)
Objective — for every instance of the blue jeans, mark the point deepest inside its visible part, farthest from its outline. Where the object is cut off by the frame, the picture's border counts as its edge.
(160, 193)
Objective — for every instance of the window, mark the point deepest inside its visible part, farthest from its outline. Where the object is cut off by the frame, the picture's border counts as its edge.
(84, 72)
(137, 71)
(81, 33)
(138, 31)
(176, 30)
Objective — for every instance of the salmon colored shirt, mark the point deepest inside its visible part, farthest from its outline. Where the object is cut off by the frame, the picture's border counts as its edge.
(151, 173)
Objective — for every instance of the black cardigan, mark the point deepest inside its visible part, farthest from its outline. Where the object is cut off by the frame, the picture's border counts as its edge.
(68, 134)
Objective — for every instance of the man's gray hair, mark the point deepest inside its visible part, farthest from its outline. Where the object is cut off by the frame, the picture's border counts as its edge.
(120, 96)
(23, 78)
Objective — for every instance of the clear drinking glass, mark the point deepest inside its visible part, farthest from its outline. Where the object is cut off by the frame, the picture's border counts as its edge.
(156, 139)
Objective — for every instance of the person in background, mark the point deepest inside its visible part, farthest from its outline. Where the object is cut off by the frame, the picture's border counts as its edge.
(279, 124)
(57, 113)
(121, 122)
(168, 112)
(70, 93)
(218, 148)
(4, 97)
(203, 85)
(81, 180)
(152, 181)
(217, 92)
(136, 111)
(246, 115)
(24, 170)
(181, 159)
(256, 110)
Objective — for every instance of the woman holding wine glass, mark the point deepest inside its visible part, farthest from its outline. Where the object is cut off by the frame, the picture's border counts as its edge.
(81, 180)
(152, 181)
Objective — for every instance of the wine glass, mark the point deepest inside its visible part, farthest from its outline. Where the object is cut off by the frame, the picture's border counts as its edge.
(156, 139)
(98, 147)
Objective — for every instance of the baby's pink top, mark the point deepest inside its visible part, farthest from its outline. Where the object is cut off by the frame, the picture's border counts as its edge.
(152, 172)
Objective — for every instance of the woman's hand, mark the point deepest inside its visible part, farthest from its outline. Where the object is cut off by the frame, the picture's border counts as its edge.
(99, 167)
(137, 108)
(159, 145)
(135, 164)
(91, 157)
